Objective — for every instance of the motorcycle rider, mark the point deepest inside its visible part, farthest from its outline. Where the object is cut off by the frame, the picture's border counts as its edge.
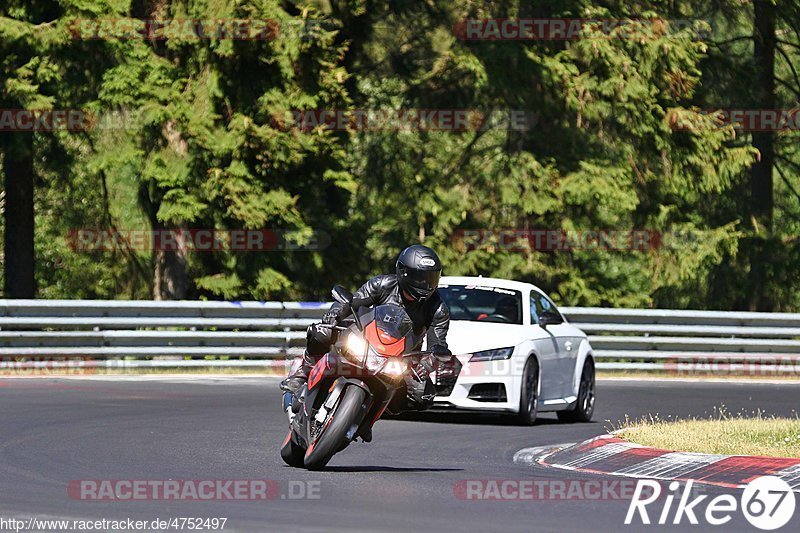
(413, 286)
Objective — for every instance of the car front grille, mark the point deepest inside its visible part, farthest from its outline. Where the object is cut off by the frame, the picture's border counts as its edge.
(488, 392)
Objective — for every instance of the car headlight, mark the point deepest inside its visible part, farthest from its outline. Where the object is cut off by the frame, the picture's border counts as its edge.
(496, 354)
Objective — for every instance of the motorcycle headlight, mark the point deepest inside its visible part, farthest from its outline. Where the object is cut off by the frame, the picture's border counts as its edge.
(395, 367)
(374, 362)
(496, 354)
(354, 349)
(356, 345)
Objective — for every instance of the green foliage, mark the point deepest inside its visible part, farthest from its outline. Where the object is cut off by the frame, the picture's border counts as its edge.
(195, 136)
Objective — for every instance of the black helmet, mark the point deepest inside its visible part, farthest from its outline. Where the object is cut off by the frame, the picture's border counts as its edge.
(418, 272)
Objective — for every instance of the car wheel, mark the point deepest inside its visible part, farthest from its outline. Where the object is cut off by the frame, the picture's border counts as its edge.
(584, 405)
(529, 393)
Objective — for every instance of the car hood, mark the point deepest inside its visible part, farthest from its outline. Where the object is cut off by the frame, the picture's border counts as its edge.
(466, 337)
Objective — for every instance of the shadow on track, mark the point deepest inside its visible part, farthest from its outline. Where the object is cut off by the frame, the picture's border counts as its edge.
(475, 419)
(387, 469)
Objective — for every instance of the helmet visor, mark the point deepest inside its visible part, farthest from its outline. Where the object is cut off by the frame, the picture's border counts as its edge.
(423, 280)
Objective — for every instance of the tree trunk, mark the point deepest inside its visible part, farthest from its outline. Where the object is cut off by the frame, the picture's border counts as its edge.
(18, 249)
(169, 277)
(761, 195)
(170, 281)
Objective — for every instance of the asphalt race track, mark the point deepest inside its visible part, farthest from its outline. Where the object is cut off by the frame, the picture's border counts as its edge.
(53, 431)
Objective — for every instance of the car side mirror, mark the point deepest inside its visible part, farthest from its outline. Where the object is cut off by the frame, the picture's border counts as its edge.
(342, 295)
(548, 318)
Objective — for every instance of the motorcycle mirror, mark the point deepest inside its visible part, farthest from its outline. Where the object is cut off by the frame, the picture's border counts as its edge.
(342, 295)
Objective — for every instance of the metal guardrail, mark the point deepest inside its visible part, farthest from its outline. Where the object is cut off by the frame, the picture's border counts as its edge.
(172, 332)
(151, 333)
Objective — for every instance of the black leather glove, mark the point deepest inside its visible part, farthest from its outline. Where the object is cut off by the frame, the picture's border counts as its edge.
(427, 364)
(450, 368)
(442, 353)
(331, 318)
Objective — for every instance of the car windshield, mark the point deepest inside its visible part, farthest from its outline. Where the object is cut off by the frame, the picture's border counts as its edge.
(482, 303)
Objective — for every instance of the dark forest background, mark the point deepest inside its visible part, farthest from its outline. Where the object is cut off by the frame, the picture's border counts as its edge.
(607, 148)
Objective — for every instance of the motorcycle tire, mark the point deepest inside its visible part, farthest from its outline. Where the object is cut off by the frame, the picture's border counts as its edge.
(292, 453)
(333, 437)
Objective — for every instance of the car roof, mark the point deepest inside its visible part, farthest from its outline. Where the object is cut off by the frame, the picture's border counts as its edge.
(489, 282)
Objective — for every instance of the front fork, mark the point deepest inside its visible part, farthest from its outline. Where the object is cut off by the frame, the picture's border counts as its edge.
(287, 406)
(291, 404)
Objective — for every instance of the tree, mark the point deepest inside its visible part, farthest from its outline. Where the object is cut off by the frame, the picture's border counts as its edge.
(19, 89)
(18, 250)
(751, 65)
(204, 136)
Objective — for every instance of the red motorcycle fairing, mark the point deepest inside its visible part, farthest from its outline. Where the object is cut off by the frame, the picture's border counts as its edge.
(323, 367)
(384, 343)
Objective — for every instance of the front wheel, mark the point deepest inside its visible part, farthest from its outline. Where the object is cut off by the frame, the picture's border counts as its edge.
(333, 435)
(529, 393)
(584, 405)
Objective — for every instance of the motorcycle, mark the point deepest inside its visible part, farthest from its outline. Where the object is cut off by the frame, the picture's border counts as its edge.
(352, 385)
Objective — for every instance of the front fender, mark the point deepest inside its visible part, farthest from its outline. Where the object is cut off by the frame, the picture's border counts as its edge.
(584, 351)
(338, 389)
(340, 385)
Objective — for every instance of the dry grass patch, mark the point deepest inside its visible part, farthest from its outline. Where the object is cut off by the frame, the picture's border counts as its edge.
(729, 435)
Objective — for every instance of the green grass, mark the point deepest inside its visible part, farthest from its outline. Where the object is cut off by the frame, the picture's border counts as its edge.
(723, 434)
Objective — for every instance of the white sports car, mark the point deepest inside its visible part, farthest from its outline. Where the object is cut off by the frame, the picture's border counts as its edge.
(519, 354)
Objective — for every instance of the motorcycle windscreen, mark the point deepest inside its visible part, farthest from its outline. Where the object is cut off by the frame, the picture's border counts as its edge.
(389, 329)
(393, 321)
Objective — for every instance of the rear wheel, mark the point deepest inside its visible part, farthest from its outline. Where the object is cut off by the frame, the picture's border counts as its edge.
(333, 435)
(584, 405)
(529, 393)
(291, 452)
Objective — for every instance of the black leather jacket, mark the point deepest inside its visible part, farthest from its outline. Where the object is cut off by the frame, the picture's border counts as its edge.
(432, 314)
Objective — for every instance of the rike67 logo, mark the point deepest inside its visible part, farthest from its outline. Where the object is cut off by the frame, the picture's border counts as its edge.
(767, 502)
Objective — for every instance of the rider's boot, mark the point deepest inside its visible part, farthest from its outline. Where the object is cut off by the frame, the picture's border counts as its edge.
(295, 381)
